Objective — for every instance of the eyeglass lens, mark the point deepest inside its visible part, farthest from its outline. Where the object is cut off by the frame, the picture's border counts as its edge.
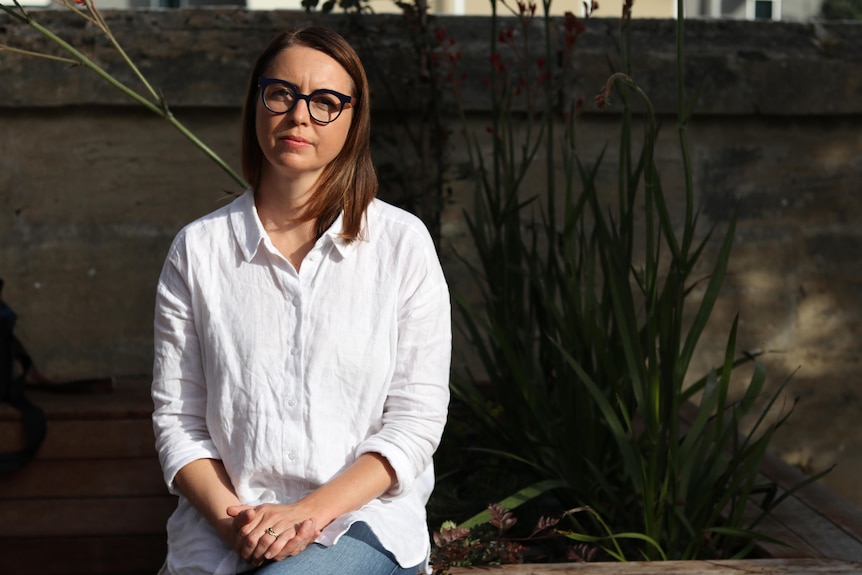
(323, 106)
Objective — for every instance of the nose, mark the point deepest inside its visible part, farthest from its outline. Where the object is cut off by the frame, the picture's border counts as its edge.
(299, 113)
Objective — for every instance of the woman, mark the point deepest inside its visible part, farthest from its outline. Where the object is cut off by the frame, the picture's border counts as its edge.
(302, 345)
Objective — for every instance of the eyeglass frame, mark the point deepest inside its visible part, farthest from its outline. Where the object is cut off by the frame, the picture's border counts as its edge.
(262, 84)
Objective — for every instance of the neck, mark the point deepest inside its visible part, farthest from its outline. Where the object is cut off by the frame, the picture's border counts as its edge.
(281, 200)
(282, 217)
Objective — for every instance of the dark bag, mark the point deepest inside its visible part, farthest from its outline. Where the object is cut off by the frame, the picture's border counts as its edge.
(12, 391)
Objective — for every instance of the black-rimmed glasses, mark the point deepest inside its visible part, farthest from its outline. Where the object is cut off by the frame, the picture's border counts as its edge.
(280, 97)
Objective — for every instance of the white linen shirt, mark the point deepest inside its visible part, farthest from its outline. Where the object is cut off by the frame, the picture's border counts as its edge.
(287, 377)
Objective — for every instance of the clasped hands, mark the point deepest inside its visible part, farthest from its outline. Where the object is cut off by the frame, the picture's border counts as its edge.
(270, 532)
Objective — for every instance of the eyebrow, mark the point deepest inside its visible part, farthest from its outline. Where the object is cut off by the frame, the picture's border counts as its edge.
(349, 92)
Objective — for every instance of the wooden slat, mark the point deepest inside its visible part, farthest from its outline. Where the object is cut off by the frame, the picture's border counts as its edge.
(138, 555)
(108, 438)
(838, 510)
(817, 530)
(757, 566)
(793, 545)
(130, 399)
(115, 424)
(76, 478)
(91, 439)
(85, 517)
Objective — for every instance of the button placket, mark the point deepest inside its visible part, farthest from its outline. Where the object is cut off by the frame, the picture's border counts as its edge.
(292, 342)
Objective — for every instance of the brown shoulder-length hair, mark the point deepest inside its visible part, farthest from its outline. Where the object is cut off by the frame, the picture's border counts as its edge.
(348, 183)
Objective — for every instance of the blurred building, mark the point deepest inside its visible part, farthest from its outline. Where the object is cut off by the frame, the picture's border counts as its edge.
(798, 10)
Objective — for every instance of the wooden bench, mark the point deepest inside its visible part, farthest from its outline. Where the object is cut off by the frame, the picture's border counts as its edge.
(744, 567)
(93, 501)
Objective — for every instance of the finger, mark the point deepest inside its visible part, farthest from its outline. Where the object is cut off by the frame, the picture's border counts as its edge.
(235, 510)
(242, 518)
(269, 544)
(248, 521)
(306, 533)
(249, 534)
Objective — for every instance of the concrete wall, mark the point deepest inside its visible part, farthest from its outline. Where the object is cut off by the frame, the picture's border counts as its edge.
(93, 187)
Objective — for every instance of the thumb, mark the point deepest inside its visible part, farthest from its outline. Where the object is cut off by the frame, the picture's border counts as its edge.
(308, 529)
(237, 510)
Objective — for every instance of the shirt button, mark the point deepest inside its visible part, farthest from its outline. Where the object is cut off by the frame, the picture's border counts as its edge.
(293, 351)
(292, 402)
(291, 455)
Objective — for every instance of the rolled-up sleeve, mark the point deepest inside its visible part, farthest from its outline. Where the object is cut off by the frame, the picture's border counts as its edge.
(179, 388)
(416, 405)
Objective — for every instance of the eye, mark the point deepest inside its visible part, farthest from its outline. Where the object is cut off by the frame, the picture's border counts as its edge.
(279, 92)
(326, 102)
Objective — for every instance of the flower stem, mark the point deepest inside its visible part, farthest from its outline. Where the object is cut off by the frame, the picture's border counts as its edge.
(5, 48)
(103, 26)
(161, 108)
(169, 116)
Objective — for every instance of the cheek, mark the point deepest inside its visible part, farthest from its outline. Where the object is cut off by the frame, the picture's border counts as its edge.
(341, 136)
(265, 123)
(342, 141)
(262, 126)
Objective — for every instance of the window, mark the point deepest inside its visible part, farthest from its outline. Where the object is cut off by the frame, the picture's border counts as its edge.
(763, 9)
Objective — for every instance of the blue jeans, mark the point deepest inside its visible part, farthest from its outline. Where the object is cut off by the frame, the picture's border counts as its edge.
(358, 552)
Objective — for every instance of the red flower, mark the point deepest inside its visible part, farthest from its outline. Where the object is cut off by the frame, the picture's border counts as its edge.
(602, 100)
(497, 62)
(574, 28)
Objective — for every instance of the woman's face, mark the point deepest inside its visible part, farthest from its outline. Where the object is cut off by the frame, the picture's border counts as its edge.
(295, 146)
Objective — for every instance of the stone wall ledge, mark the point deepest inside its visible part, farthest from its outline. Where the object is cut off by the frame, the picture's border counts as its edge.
(201, 57)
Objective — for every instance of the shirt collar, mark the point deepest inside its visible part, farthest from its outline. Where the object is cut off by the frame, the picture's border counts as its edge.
(332, 235)
(250, 235)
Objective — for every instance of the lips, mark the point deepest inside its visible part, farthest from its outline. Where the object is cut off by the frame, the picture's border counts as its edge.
(292, 140)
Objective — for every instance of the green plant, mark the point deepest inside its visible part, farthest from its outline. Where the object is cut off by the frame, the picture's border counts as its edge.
(148, 97)
(587, 325)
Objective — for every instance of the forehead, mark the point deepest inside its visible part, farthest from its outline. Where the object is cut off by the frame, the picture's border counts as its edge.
(309, 69)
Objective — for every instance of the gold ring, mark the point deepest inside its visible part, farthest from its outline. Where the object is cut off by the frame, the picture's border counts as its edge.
(271, 531)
